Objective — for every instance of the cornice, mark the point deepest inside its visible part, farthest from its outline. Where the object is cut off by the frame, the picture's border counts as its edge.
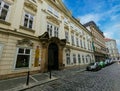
(78, 49)
(14, 32)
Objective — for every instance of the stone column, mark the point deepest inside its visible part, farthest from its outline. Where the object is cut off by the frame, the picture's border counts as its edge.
(44, 58)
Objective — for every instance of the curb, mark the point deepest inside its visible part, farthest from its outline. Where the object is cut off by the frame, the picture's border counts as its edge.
(31, 85)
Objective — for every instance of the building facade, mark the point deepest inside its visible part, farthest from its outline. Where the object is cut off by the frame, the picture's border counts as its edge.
(112, 49)
(38, 35)
(100, 51)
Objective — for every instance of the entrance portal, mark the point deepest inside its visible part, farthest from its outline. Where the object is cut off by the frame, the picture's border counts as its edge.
(53, 57)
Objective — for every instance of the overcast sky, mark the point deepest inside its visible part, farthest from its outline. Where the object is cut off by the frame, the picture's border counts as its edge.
(105, 13)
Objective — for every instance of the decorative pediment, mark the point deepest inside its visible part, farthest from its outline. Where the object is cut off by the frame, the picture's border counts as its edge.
(44, 36)
(26, 42)
(45, 40)
(9, 1)
(66, 27)
(31, 6)
(41, 1)
(53, 19)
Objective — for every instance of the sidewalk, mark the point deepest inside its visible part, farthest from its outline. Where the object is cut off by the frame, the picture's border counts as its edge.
(19, 83)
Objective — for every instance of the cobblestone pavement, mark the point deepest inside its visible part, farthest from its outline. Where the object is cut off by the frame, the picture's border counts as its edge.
(106, 79)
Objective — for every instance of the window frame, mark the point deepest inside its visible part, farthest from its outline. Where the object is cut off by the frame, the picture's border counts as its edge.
(67, 36)
(72, 39)
(30, 17)
(79, 58)
(74, 58)
(30, 56)
(52, 30)
(68, 57)
(3, 8)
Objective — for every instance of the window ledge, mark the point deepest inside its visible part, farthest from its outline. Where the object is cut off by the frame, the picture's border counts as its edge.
(5, 22)
(28, 29)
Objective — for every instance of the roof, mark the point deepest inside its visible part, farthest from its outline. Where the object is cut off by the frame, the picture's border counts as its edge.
(108, 39)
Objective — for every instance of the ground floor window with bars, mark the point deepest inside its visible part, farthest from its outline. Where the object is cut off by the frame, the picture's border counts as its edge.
(23, 57)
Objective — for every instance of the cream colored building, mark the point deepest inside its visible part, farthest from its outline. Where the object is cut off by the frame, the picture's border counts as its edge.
(100, 51)
(112, 49)
(36, 35)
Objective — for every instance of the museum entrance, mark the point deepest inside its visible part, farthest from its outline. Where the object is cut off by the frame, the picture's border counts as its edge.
(53, 57)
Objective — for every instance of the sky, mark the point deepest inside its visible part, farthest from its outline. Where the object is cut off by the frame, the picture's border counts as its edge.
(105, 13)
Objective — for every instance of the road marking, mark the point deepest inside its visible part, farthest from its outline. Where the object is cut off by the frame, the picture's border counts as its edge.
(34, 79)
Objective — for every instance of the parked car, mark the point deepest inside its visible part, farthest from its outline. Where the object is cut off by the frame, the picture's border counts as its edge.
(93, 67)
(101, 64)
(107, 62)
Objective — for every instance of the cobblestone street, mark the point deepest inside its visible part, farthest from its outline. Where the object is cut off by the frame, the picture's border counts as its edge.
(107, 79)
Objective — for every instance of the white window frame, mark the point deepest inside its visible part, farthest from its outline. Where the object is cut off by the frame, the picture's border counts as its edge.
(30, 17)
(77, 42)
(56, 29)
(67, 36)
(50, 9)
(52, 30)
(74, 59)
(83, 60)
(72, 39)
(79, 58)
(56, 13)
(29, 58)
(68, 57)
(2, 7)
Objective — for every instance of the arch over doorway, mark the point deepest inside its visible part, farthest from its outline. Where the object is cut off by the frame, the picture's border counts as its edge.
(51, 47)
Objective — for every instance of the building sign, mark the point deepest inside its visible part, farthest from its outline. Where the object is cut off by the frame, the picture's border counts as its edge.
(37, 52)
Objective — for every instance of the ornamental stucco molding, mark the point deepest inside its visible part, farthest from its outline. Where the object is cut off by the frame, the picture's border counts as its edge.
(30, 6)
(53, 19)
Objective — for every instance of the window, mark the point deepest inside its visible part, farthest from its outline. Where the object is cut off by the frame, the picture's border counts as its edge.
(56, 13)
(86, 59)
(1, 49)
(65, 20)
(68, 58)
(72, 38)
(49, 29)
(84, 44)
(50, 9)
(83, 59)
(67, 36)
(79, 59)
(55, 31)
(23, 57)
(28, 20)
(53, 11)
(77, 41)
(4, 8)
(52, 32)
(74, 58)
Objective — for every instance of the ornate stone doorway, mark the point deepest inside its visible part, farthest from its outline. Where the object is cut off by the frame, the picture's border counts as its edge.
(52, 52)
(53, 57)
